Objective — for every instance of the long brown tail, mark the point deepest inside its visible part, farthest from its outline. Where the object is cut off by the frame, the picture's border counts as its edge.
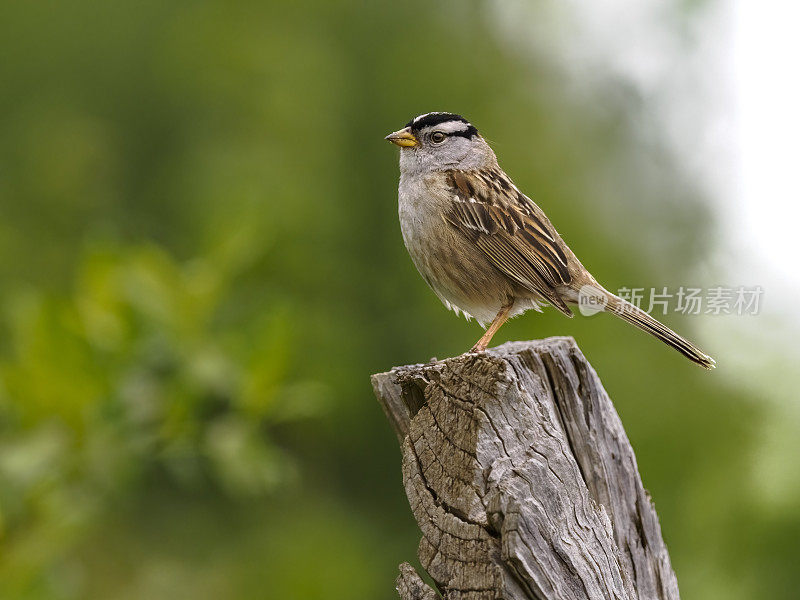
(636, 316)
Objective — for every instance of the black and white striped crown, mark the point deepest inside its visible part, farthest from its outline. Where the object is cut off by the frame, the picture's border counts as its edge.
(455, 124)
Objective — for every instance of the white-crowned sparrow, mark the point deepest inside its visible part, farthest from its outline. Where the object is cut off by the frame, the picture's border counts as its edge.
(483, 246)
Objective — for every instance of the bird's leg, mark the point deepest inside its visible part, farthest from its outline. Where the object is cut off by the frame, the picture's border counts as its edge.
(501, 318)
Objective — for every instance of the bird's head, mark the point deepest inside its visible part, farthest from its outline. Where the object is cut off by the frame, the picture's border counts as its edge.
(439, 141)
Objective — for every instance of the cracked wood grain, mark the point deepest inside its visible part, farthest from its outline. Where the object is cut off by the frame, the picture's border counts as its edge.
(522, 480)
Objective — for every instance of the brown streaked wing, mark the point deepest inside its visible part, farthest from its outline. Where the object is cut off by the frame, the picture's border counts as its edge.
(516, 240)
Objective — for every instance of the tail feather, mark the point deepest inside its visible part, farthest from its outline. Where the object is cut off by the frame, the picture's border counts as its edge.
(636, 316)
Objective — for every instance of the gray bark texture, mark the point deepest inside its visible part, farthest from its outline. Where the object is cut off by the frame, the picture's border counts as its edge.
(522, 480)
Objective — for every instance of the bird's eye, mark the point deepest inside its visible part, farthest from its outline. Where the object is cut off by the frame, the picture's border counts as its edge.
(437, 137)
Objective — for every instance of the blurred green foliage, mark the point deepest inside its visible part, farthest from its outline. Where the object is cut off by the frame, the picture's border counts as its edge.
(201, 266)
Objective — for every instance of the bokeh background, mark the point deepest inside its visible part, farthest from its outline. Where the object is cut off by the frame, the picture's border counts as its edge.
(201, 265)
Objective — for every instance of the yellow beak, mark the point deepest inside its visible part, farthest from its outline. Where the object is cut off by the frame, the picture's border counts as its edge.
(403, 138)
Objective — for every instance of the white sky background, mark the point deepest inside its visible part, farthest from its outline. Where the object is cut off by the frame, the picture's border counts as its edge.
(766, 68)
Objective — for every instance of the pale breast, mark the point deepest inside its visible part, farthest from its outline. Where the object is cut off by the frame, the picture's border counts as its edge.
(456, 270)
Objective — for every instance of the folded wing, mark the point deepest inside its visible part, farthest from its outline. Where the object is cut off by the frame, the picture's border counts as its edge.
(511, 230)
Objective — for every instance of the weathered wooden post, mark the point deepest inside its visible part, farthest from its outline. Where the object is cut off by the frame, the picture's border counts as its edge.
(522, 480)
